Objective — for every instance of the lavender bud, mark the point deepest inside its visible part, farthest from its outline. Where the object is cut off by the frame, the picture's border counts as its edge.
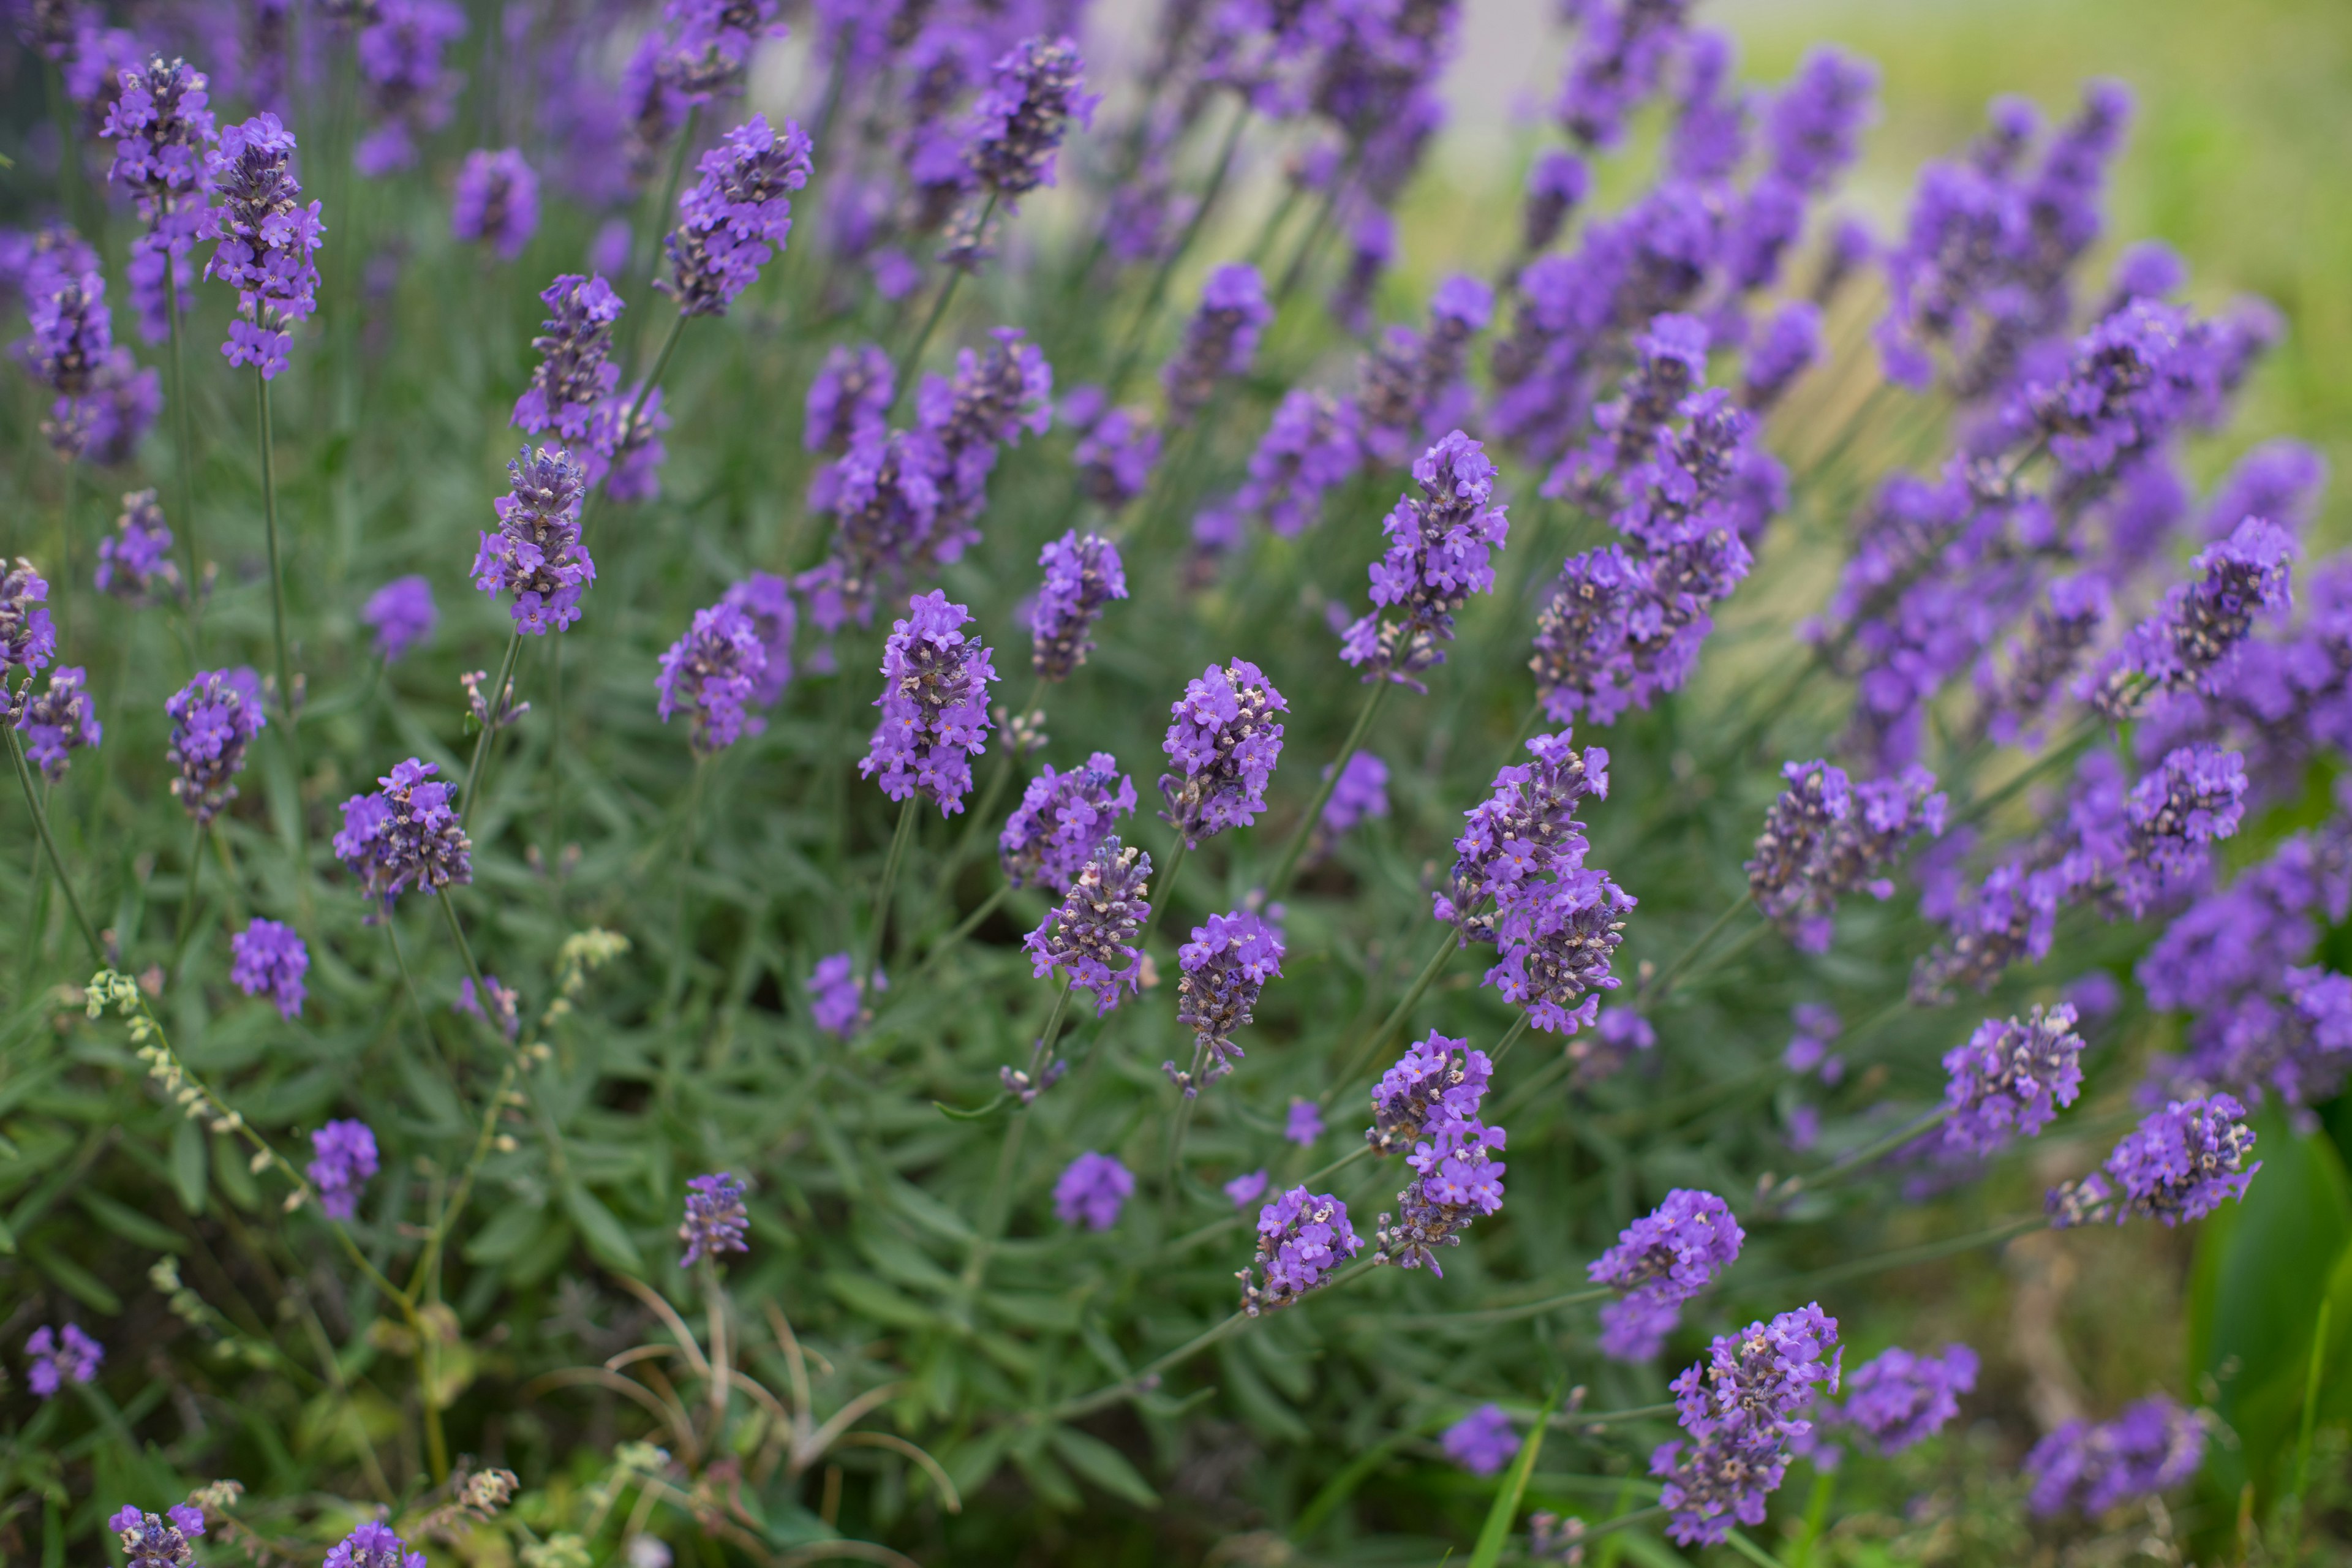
(2177, 1164)
(267, 240)
(1481, 1442)
(133, 561)
(57, 723)
(1081, 575)
(372, 1545)
(403, 614)
(575, 377)
(1018, 122)
(716, 1219)
(1439, 553)
(58, 1356)
(848, 400)
(1091, 933)
(344, 1158)
(1224, 967)
(1660, 1261)
(934, 703)
(713, 670)
(1313, 442)
(2152, 1447)
(1220, 341)
(497, 202)
(29, 638)
(1093, 1191)
(268, 956)
(735, 217)
(1556, 184)
(1301, 1239)
(1790, 345)
(213, 718)
(537, 555)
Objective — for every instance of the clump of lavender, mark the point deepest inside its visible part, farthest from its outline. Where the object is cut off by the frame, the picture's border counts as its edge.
(1224, 740)
(267, 240)
(1439, 553)
(1827, 836)
(2010, 1078)
(934, 705)
(406, 835)
(1062, 819)
(1742, 1406)
(1660, 1261)
(848, 400)
(29, 638)
(1082, 576)
(372, 1545)
(1093, 1190)
(268, 956)
(212, 719)
(1220, 341)
(343, 1158)
(712, 671)
(56, 1357)
(1091, 933)
(994, 396)
(716, 1219)
(2133, 379)
(160, 128)
(837, 996)
(133, 561)
(2177, 1164)
(58, 722)
(1302, 1237)
(2152, 1447)
(403, 614)
(497, 202)
(1481, 1442)
(2172, 817)
(2193, 638)
(149, 1542)
(1313, 442)
(575, 377)
(736, 216)
(1412, 381)
(1899, 1399)
(1017, 124)
(1115, 458)
(1244, 1190)
(537, 555)
(1428, 1102)
(1224, 967)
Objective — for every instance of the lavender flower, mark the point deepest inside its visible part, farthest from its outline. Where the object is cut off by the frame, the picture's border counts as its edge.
(1092, 1191)
(1556, 942)
(1313, 442)
(1091, 933)
(1361, 791)
(372, 1545)
(2171, 819)
(2009, 1079)
(403, 614)
(1809, 1047)
(1115, 458)
(716, 1219)
(1301, 1239)
(2040, 661)
(1247, 1188)
(213, 718)
(496, 1004)
(1621, 50)
(1224, 741)
(1899, 1399)
(1372, 249)
(767, 600)
(1826, 836)
(2193, 638)
(132, 561)
(2281, 480)
(574, 377)
(628, 450)
(161, 128)
(1481, 1442)
(1220, 341)
(343, 1159)
(1526, 828)
(405, 835)
(1429, 1102)
(1061, 820)
(267, 240)
(1019, 121)
(736, 216)
(1557, 182)
(1082, 576)
(1224, 967)
(712, 671)
(104, 402)
(2133, 378)
(58, 721)
(1304, 1123)
(838, 997)
(848, 400)
(2177, 1164)
(58, 1356)
(268, 956)
(497, 202)
(934, 705)
(1438, 555)
(1742, 1406)
(399, 52)
(148, 1542)
(1660, 1261)
(1813, 124)
(2152, 1447)
(29, 638)
(537, 555)
(1790, 345)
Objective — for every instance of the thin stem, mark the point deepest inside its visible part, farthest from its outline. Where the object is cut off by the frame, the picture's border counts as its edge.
(1372, 1043)
(903, 368)
(1663, 983)
(1166, 889)
(1313, 239)
(277, 571)
(1724, 955)
(1182, 1123)
(2064, 750)
(990, 795)
(676, 985)
(494, 705)
(188, 898)
(1280, 883)
(969, 924)
(49, 845)
(890, 879)
(1131, 349)
(993, 1212)
(670, 183)
(1855, 1159)
(1511, 1037)
(185, 467)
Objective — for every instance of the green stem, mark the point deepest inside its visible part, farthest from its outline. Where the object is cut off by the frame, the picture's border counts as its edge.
(903, 370)
(1370, 1044)
(658, 227)
(188, 898)
(494, 704)
(645, 389)
(890, 881)
(2054, 756)
(1166, 889)
(185, 467)
(49, 845)
(2311, 1387)
(277, 571)
(1511, 1037)
(676, 987)
(1181, 1124)
(992, 1214)
(1280, 883)
(1853, 1160)
(1131, 349)
(1663, 983)
(1313, 239)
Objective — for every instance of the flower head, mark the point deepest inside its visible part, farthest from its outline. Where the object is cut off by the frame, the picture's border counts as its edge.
(1481, 1442)
(1220, 341)
(1115, 458)
(1091, 933)
(372, 1545)
(213, 718)
(2010, 1078)
(29, 638)
(1525, 830)
(2193, 638)
(58, 1356)
(1899, 1399)
(1303, 1124)
(1062, 819)
(149, 1542)
(1660, 1261)
(735, 217)
(1439, 553)
(1313, 442)
(1092, 1191)
(1827, 836)
(1082, 576)
(837, 996)
(160, 127)
(1789, 345)
(1246, 1188)
(343, 1158)
(1226, 744)
(849, 398)
(1361, 790)
(497, 202)
(934, 703)
(405, 835)
(712, 671)
(1557, 182)
(1223, 968)
(1302, 1237)
(58, 722)
(716, 1219)
(575, 377)
(767, 600)
(408, 85)
(266, 241)
(2177, 1164)
(1742, 1404)
(2152, 1447)
(268, 956)
(403, 614)
(1019, 121)
(537, 555)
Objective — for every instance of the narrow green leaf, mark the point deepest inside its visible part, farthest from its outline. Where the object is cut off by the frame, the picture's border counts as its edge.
(74, 1280)
(601, 1232)
(978, 1114)
(129, 1224)
(191, 1166)
(7, 1240)
(1104, 1466)
(1499, 1518)
(878, 1301)
(515, 1228)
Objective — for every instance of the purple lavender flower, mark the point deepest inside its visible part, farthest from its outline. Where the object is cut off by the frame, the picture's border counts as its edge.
(1524, 829)
(1813, 123)
(1091, 933)
(716, 1219)
(2010, 1078)
(1439, 551)
(849, 399)
(1790, 345)
(1899, 1399)
(408, 87)
(837, 996)
(2194, 635)
(1019, 121)
(1809, 1047)
(267, 238)
(497, 202)
(1247, 1188)
(268, 956)
(1304, 1123)
(1224, 967)
(1556, 942)
(2152, 1447)
(58, 721)
(496, 1004)
(162, 128)
(149, 1542)
(343, 1158)
(1742, 1406)
(1371, 248)
(574, 377)
(1115, 458)
(28, 639)
(403, 614)
(993, 398)
(767, 600)
(405, 835)
(2281, 480)
(2177, 1164)
(1061, 820)
(1622, 48)
(2133, 380)
(1227, 745)
(736, 216)
(1481, 1442)
(934, 703)
(1301, 1239)
(372, 1545)
(1082, 576)
(1092, 1191)
(1428, 1102)
(1411, 383)
(2171, 818)
(628, 461)
(55, 1356)
(2040, 661)
(1660, 1261)
(1709, 138)
(132, 561)
(1220, 341)
(1313, 442)
(104, 402)
(1557, 182)
(537, 555)
(213, 718)
(1361, 791)
(711, 44)
(713, 670)
(1826, 836)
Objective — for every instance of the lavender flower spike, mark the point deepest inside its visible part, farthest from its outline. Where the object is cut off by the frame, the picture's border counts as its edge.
(1439, 553)
(734, 220)
(537, 555)
(712, 671)
(1091, 933)
(1018, 122)
(1082, 576)
(1660, 1261)
(213, 718)
(1093, 1191)
(1301, 1239)
(267, 238)
(934, 703)
(1827, 836)
(1742, 1406)
(575, 376)
(2010, 1079)
(372, 1545)
(2177, 1164)
(2152, 1447)
(1481, 1442)
(1227, 745)
(1226, 966)
(1430, 1101)
(29, 638)
(58, 1356)
(497, 202)
(344, 1158)
(133, 561)
(1899, 1399)
(149, 1542)
(160, 128)
(715, 1220)
(2193, 638)
(58, 722)
(405, 835)
(268, 956)
(403, 614)
(1061, 819)
(1220, 341)
(837, 996)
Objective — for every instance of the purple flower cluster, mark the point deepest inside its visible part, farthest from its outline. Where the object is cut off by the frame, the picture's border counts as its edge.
(212, 719)
(1789, 345)
(267, 238)
(1220, 341)
(2152, 1447)
(1481, 1442)
(2040, 662)
(537, 555)
(1224, 740)
(1556, 183)
(1301, 1239)
(268, 956)
(1429, 1103)
(133, 561)
(497, 202)
(1116, 456)
(1313, 442)
(1061, 820)
(2134, 379)
(1899, 1399)
(1223, 968)
(1439, 553)
(104, 402)
(372, 1545)
(2010, 1079)
(1411, 383)
(29, 638)
(1093, 1190)
(837, 996)
(1826, 836)
(574, 377)
(149, 1542)
(1361, 790)
(1019, 121)
(1660, 1261)
(55, 1357)
(2177, 1164)
(1742, 1406)
(1091, 933)
(934, 703)
(160, 128)
(848, 400)
(409, 88)
(1082, 576)
(716, 1219)
(496, 1004)
(403, 615)
(735, 217)
(58, 722)
(406, 835)
(2193, 638)
(1622, 50)
(712, 671)
(343, 1158)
